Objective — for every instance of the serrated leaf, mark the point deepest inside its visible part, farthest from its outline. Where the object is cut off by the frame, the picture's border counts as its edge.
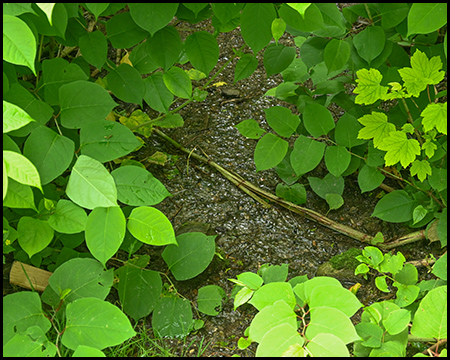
(399, 149)
(422, 72)
(376, 126)
(369, 89)
(435, 115)
(421, 168)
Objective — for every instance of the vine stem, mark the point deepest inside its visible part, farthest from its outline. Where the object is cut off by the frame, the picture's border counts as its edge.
(258, 194)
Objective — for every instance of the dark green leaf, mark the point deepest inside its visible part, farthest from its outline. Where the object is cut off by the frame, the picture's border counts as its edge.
(330, 184)
(337, 159)
(306, 155)
(277, 58)
(94, 48)
(257, 34)
(295, 193)
(126, 83)
(164, 47)
(395, 207)
(123, 32)
(370, 42)
(246, 66)
(282, 120)
(152, 16)
(269, 152)
(317, 119)
(202, 49)
(178, 82)
(172, 317)
(156, 94)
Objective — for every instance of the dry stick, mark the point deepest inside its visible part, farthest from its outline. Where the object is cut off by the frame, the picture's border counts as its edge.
(253, 190)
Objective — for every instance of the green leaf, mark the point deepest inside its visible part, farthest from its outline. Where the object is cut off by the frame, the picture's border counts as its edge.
(277, 58)
(87, 351)
(151, 226)
(29, 343)
(399, 149)
(286, 172)
(86, 277)
(346, 132)
(172, 317)
(300, 7)
(371, 333)
(269, 151)
(306, 155)
(327, 345)
(170, 121)
(242, 297)
(282, 120)
(178, 82)
(191, 257)
(83, 102)
(153, 16)
(369, 178)
(139, 290)
(250, 280)
(91, 185)
(105, 231)
(278, 29)
(202, 49)
(18, 196)
(278, 340)
(370, 42)
(336, 54)
(311, 20)
(406, 294)
(164, 47)
(126, 83)
(269, 317)
(138, 187)
(19, 168)
(393, 14)
(424, 18)
(369, 88)
(19, 43)
(376, 126)
(438, 180)
(269, 293)
(68, 218)
(57, 73)
(295, 193)
(419, 213)
(14, 117)
(96, 8)
(422, 72)
(430, 319)
(435, 115)
(24, 311)
(210, 298)
(105, 140)
(50, 152)
(337, 159)
(395, 207)
(156, 94)
(317, 119)
(245, 66)
(250, 129)
(257, 34)
(397, 321)
(34, 235)
(334, 201)
(123, 32)
(274, 273)
(335, 297)
(95, 323)
(329, 320)
(94, 48)
(330, 184)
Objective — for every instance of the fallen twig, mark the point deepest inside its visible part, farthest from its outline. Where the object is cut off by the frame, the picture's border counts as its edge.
(257, 194)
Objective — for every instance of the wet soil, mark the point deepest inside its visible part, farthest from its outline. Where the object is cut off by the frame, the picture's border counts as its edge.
(248, 234)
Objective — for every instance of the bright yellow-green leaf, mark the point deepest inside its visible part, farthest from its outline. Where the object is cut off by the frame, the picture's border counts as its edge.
(300, 7)
(421, 73)
(429, 148)
(408, 128)
(435, 115)
(420, 168)
(369, 88)
(399, 148)
(376, 127)
(278, 28)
